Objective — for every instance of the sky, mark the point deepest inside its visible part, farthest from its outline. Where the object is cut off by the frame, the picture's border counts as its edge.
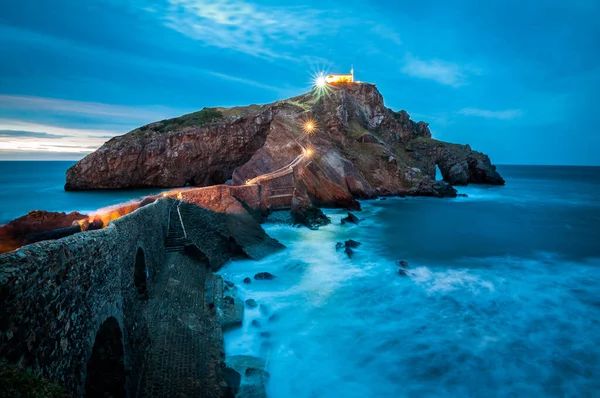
(518, 80)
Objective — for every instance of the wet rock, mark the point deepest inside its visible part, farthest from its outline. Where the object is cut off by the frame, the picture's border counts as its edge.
(229, 283)
(233, 380)
(274, 318)
(255, 323)
(462, 195)
(349, 252)
(255, 377)
(339, 245)
(232, 313)
(305, 213)
(264, 276)
(263, 309)
(351, 243)
(402, 272)
(403, 264)
(247, 280)
(250, 303)
(265, 334)
(351, 218)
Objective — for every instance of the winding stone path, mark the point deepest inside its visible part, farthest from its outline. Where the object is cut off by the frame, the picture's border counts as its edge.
(183, 357)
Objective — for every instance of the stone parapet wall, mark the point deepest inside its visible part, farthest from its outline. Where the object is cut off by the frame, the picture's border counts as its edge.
(56, 294)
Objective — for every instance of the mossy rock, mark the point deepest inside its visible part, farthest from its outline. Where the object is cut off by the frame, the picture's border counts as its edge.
(16, 382)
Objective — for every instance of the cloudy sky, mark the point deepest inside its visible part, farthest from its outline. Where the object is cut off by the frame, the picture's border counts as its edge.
(518, 79)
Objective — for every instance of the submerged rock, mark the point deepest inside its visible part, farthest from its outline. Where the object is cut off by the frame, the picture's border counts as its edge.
(250, 303)
(263, 309)
(349, 252)
(402, 272)
(231, 312)
(403, 264)
(351, 218)
(255, 323)
(305, 213)
(247, 280)
(262, 276)
(352, 243)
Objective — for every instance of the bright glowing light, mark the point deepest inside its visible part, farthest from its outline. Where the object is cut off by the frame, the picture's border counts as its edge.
(320, 81)
(319, 84)
(179, 195)
(310, 126)
(309, 152)
(248, 182)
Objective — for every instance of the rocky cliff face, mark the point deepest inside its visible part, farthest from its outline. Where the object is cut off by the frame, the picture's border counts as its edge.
(360, 149)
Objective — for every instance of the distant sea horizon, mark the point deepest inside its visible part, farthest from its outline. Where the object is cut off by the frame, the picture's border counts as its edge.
(25, 186)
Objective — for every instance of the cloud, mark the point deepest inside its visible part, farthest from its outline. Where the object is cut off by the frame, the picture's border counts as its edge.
(249, 28)
(29, 134)
(23, 102)
(445, 73)
(507, 114)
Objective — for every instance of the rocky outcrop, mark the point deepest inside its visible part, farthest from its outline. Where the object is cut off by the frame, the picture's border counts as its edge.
(459, 164)
(15, 234)
(359, 149)
(200, 149)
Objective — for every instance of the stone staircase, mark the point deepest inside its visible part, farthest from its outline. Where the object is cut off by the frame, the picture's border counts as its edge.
(176, 239)
(280, 198)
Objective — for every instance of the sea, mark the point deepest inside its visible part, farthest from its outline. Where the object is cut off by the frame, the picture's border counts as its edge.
(501, 296)
(39, 185)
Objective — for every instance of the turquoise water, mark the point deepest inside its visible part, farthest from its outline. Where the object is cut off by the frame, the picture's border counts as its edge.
(26, 186)
(503, 297)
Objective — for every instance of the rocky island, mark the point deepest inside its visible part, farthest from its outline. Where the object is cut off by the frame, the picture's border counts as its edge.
(134, 308)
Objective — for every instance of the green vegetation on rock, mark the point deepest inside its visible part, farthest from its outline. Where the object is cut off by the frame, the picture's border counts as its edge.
(195, 119)
(15, 382)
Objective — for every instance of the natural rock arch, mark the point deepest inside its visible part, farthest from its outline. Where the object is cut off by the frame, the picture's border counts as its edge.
(140, 274)
(106, 368)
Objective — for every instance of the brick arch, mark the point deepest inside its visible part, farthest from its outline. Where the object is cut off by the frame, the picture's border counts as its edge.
(106, 374)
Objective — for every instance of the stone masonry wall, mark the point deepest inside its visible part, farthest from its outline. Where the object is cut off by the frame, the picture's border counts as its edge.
(54, 296)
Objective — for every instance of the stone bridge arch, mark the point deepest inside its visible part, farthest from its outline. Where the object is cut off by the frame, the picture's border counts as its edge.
(106, 374)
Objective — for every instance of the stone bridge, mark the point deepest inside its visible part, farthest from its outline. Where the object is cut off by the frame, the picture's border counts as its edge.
(113, 312)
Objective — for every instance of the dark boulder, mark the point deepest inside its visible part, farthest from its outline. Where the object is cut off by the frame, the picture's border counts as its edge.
(274, 318)
(402, 272)
(349, 252)
(351, 243)
(264, 276)
(250, 303)
(351, 218)
(247, 280)
(403, 264)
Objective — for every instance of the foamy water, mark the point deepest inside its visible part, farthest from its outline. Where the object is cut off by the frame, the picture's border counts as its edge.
(474, 318)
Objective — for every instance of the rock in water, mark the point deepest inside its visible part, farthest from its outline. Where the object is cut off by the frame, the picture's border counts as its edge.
(339, 245)
(352, 243)
(305, 213)
(402, 272)
(349, 252)
(261, 276)
(403, 264)
(250, 303)
(351, 218)
(247, 280)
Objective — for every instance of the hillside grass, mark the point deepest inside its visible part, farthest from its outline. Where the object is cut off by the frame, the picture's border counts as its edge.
(17, 383)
